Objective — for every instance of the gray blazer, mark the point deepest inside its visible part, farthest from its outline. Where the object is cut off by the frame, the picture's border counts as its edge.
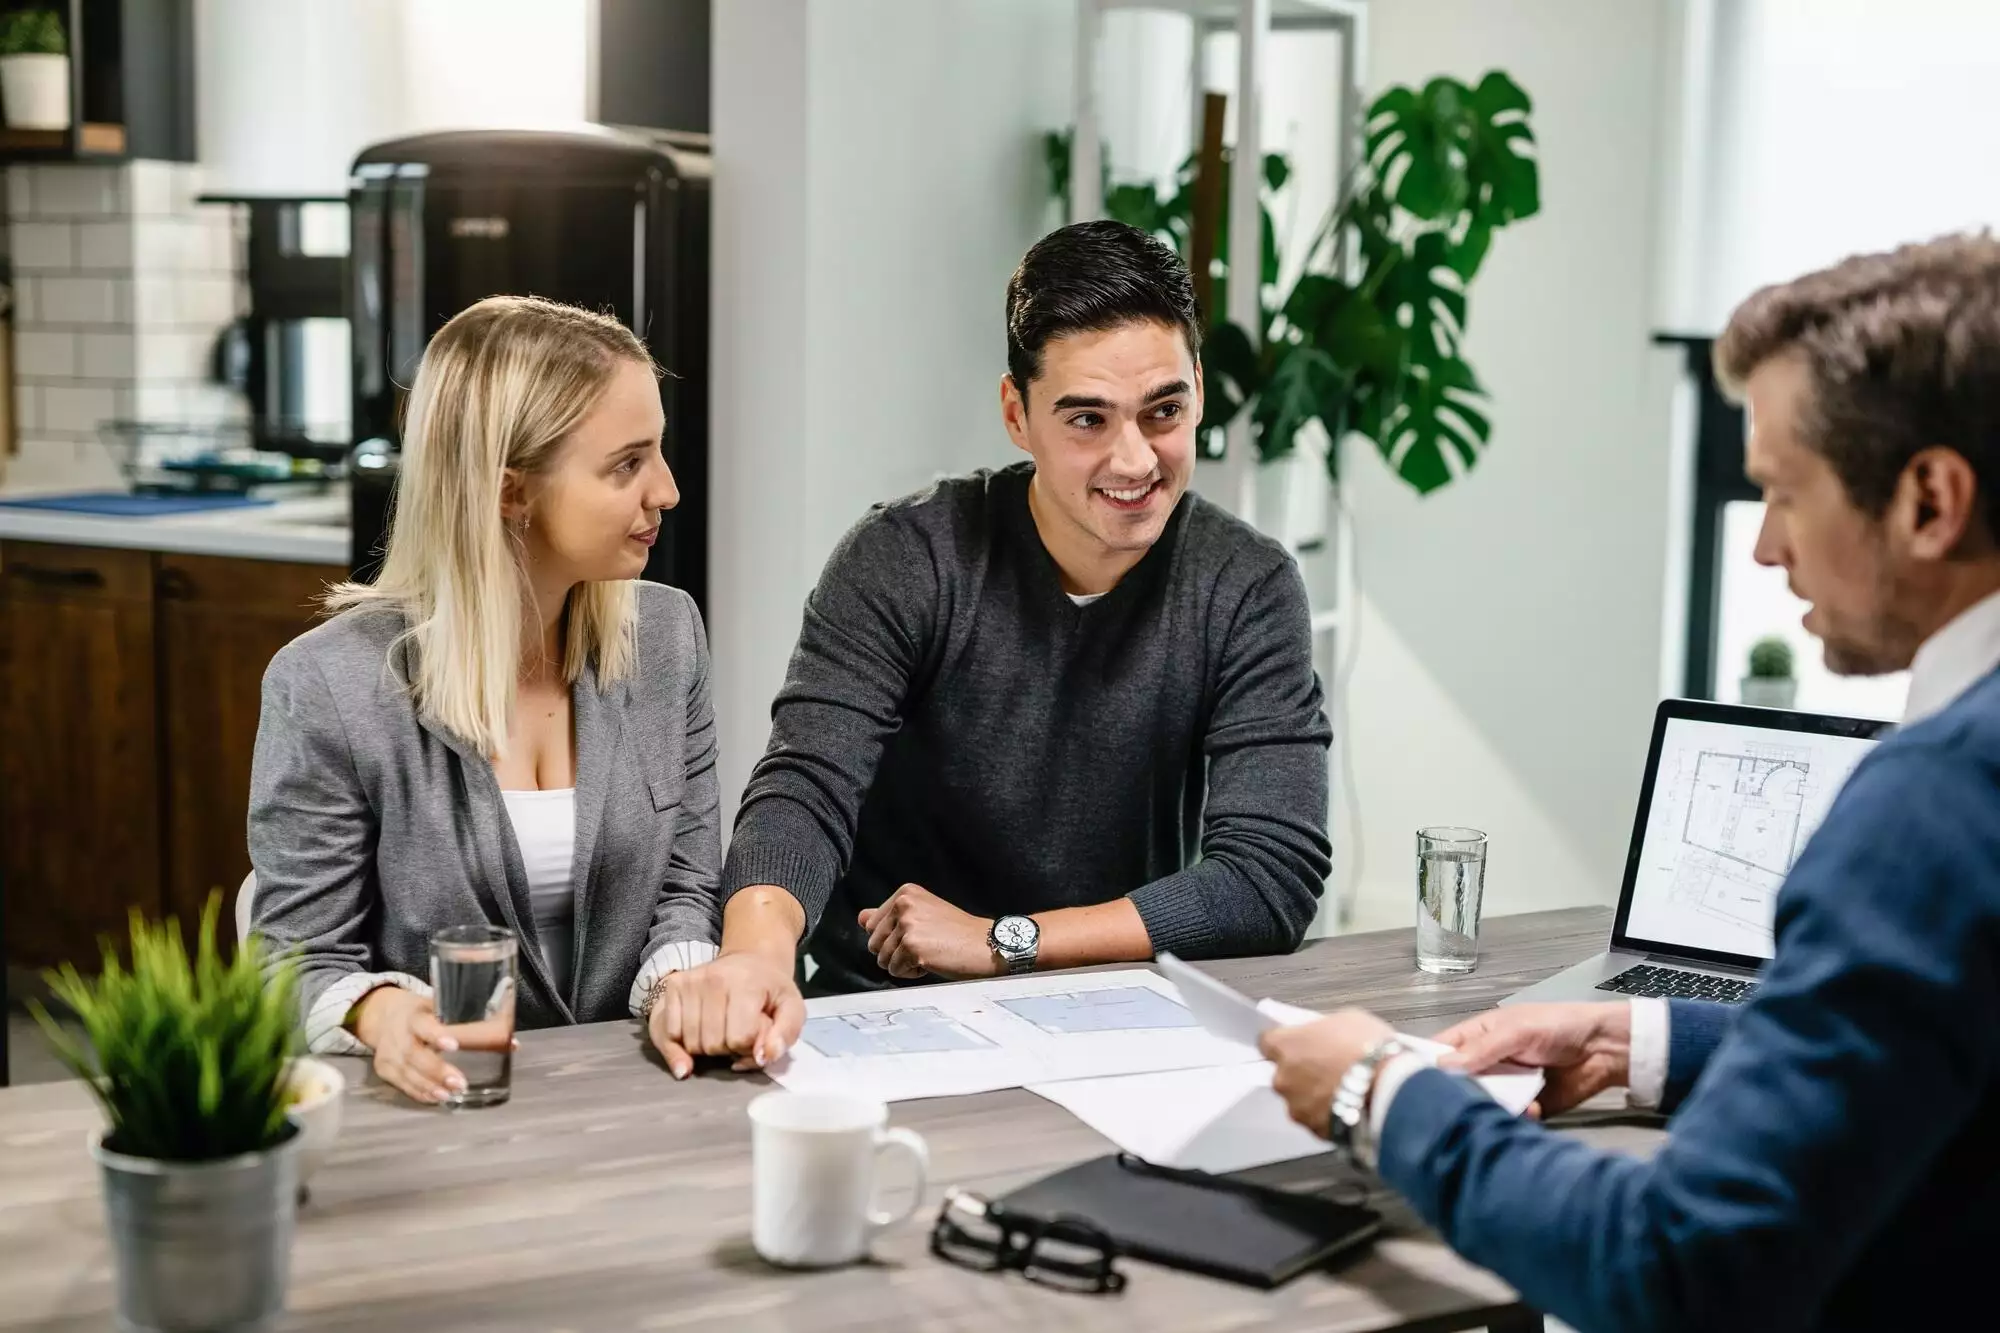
(371, 827)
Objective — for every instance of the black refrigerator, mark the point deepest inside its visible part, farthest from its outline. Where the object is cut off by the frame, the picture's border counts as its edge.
(613, 220)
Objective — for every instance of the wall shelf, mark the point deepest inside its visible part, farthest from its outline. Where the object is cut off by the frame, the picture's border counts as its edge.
(88, 141)
(131, 84)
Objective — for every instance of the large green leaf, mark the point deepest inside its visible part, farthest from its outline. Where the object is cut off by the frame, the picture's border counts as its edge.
(1424, 295)
(1305, 383)
(1135, 206)
(1500, 161)
(1359, 336)
(1434, 417)
(1229, 372)
(1416, 146)
(1469, 251)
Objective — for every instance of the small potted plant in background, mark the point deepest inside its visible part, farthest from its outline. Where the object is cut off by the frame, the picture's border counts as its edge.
(1770, 683)
(190, 1060)
(34, 70)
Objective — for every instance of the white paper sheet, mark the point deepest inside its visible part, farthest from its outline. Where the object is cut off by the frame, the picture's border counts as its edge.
(1196, 1119)
(1227, 1119)
(1233, 1016)
(946, 1041)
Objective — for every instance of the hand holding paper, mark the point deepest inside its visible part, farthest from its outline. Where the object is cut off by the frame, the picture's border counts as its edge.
(1234, 1017)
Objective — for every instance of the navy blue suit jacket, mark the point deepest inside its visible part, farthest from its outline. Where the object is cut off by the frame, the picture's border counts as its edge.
(1833, 1160)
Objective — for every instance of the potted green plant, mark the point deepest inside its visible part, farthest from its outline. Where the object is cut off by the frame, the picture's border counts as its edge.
(34, 70)
(1770, 683)
(1367, 341)
(199, 1162)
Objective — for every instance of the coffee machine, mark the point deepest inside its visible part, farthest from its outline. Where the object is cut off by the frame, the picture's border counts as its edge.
(611, 219)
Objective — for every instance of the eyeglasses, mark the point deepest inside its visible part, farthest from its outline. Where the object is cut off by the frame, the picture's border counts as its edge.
(1063, 1252)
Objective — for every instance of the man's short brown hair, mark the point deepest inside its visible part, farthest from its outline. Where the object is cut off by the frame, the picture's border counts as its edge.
(1903, 353)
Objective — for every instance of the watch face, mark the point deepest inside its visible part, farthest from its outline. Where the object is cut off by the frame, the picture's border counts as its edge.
(1014, 933)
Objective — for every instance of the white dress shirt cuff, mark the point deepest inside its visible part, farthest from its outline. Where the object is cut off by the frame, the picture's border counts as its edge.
(1389, 1080)
(1648, 1082)
(674, 956)
(325, 1033)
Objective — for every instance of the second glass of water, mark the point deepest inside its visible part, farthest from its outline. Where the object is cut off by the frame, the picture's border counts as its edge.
(1451, 880)
(472, 973)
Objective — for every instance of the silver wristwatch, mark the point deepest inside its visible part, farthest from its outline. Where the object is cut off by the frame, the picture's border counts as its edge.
(1017, 939)
(1349, 1121)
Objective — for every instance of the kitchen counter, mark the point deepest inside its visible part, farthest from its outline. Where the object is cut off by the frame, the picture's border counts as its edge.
(311, 529)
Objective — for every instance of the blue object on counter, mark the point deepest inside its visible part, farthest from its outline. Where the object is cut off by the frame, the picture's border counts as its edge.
(120, 504)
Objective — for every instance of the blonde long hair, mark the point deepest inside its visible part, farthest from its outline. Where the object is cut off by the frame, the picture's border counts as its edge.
(501, 386)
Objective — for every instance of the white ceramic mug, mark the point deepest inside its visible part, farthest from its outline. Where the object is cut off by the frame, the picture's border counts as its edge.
(814, 1161)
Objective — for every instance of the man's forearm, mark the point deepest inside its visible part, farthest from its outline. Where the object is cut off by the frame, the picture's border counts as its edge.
(764, 919)
(1100, 933)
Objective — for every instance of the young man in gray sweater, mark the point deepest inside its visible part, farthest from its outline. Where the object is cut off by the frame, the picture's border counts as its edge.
(1057, 714)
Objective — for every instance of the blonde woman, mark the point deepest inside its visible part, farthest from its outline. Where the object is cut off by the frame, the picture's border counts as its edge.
(505, 727)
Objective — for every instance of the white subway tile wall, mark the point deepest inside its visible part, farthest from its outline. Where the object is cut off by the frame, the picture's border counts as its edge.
(72, 302)
(108, 356)
(104, 245)
(45, 354)
(40, 246)
(45, 464)
(122, 283)
(67, 191)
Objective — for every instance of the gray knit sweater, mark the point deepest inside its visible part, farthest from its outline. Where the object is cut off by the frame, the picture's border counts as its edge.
(950, 718)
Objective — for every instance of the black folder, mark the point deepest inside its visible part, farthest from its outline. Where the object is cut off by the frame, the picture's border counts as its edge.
(1201, 1223)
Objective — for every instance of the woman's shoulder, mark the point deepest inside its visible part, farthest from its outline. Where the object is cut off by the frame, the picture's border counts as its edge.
(669, 622)
(348, 649)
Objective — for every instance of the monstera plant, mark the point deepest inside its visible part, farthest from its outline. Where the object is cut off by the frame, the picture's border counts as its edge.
(1368, 340)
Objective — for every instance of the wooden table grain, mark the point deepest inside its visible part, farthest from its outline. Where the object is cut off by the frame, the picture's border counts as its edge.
(607, 1196)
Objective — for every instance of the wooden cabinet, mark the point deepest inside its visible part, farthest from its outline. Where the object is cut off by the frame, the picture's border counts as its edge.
(220, 621)
(129, 693)
(79, 756)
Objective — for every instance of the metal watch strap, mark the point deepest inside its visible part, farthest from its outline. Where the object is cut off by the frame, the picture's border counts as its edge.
(1349, 1117)
(1017, 964)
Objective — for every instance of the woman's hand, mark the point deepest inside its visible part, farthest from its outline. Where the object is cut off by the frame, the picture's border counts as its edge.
(410, 1044)
(743, 1005)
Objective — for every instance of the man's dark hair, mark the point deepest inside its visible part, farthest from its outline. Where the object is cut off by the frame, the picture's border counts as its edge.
(1088, 277)
(1903, 353)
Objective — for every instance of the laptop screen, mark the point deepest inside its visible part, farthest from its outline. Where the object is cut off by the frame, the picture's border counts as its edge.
(1731, 797)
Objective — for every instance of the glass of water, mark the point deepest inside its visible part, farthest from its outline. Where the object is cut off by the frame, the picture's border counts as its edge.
(472, 972)
(1451, 880)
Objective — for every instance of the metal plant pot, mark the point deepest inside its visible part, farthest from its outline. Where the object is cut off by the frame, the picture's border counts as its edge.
(201, 1245)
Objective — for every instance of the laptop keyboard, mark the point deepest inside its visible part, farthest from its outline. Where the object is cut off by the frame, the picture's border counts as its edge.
(1673, 983)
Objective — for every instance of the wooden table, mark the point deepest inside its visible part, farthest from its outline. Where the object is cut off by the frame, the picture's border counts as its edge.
(607, 1196)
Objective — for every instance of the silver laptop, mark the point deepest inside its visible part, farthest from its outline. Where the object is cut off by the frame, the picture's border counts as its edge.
(1730, 797)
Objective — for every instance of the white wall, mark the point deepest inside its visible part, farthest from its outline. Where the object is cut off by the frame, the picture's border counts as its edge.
(878, 170)
(1843, 125)
(495, 62)
(290, 90)
(1511, 623)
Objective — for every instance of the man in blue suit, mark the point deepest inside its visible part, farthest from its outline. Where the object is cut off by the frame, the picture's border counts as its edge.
(1834, 1155)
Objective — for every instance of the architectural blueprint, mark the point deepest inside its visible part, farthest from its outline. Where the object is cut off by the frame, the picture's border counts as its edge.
(940, 1041)
(1732, 808)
